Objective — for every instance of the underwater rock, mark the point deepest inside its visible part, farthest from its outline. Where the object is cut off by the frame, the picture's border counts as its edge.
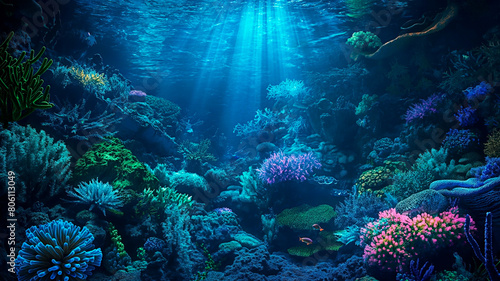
(428, 201)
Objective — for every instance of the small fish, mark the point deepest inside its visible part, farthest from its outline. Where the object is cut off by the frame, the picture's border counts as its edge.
(306, 240)
(316, 226)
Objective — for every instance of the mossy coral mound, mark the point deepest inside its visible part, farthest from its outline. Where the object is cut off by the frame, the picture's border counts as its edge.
(111, 162)
(374, 179)
(304, 216)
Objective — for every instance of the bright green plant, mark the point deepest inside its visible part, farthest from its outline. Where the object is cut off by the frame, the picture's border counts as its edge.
(21, 90)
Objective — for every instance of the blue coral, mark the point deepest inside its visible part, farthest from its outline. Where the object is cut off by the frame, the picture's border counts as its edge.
(466, 116)
(154, 244)
(97, 194)
(488, 171)
(58, 250)
(478, 92)
(458, 141)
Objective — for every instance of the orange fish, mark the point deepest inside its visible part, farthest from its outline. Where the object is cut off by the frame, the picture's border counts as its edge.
(306, 240)
(316, 226)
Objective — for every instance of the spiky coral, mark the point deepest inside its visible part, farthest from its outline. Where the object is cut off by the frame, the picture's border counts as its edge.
(97, 194)
(280, 167)
(424, 108)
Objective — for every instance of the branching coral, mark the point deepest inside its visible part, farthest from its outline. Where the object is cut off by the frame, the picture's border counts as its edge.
(288, 90)
(76, 122)
(280, 167)
(21, 90)
(492, 146)
(154, 201)
(42, 166)
(196, 151)
(393, 240)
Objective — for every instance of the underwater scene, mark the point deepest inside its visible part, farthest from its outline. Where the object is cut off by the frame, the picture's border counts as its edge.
(266, 140)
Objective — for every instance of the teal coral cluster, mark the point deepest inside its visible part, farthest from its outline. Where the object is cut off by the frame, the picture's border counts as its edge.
(364, 42)
(41, 164)
(97, 194)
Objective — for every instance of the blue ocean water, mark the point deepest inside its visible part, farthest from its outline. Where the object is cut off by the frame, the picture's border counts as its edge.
(250, 140)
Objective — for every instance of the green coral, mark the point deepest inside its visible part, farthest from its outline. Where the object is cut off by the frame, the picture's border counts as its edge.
(196, 151)
(374, 180)
(210, 264)
(141, 254)
(154, 201)
(430, 166)
(111, 162)
(21, 90)
(304, 216)
(364, 42)
(447, 275)
(117, 240)
(366, 103)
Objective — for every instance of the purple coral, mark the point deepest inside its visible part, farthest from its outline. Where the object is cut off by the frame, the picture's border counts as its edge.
(280, 167)
(422, 109)
(137, 96)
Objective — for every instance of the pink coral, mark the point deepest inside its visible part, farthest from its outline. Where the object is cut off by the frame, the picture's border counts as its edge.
(392, 240)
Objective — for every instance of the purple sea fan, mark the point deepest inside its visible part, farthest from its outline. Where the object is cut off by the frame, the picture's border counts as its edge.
(422, 109)
(280, 167)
